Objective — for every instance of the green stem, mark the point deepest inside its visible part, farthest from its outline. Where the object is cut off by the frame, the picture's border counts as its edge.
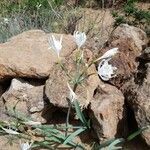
(67, 119)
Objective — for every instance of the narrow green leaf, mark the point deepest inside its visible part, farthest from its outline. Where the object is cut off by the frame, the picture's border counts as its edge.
(43, 144)
(104, 144)
(113, 146)
(132, 136)
(80, 114)
(73, 135)
(48, 129)
(62, 138)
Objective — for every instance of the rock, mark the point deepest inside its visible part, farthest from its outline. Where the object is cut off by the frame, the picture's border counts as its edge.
(1, 90)
(130, 41)
(105, 102)
(137, 38)
(146, 54)
(98, 24)
(3, 116)
(27, 99)
(137, 92)
(27, 55)
(5, 145)
(56, 88)
(107, 112)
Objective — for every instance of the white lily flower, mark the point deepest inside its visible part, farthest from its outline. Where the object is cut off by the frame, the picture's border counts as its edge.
(56, 45)
(32, 123)
(106, 70)
(6, 20)
(109, 54)
(80, 38)
(72, 95)
(25, 146)
(10, 131)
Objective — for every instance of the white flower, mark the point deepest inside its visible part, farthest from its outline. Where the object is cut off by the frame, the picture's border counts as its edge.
(72, 95)
(32, 123)
(10, 131)
(106, 70)
(25, 146)
(80, 38)
(109, 54)
(6, 20)
(55, 44)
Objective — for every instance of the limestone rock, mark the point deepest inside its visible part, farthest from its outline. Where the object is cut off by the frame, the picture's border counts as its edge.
(1, 90)
(105, 102)
(27, 99)
(146, 54)
(130, 41)
(6, 146)
(102, 21)
(137, 93)
(137, 38)
(56, 88)
(28, 55)
(107, 112)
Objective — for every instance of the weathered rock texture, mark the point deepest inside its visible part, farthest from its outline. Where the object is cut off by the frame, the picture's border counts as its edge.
(56, 88)
(137, 93)
(146, 54)
(27, 55)
(1, 90)
(105, 100)
(130, 41)
(107, 111)
(102, 23)
(27, 99)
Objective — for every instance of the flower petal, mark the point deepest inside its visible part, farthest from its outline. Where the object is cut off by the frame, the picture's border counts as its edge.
(106, 70)
(25, 146)
(10, 131)
(72, 95)
(32, 123)
(56, 45)
(108, 54)
(80, 38)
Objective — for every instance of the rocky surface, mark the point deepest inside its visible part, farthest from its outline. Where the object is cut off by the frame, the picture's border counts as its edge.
(107, 111)
(130, 41)
(1, 90)
(136, 37)
(27, 55)
(56, 88)
(26, 98)
(137, 93)
(105, 100)
(5, 146)
(102, 23)
(145, 54)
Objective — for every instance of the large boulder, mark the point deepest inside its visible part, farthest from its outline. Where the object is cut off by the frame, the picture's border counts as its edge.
(27, 55)
(130, 41)
(56, 88)
(107, 112)
(137, 92)
(26, 99)
(136, 37)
